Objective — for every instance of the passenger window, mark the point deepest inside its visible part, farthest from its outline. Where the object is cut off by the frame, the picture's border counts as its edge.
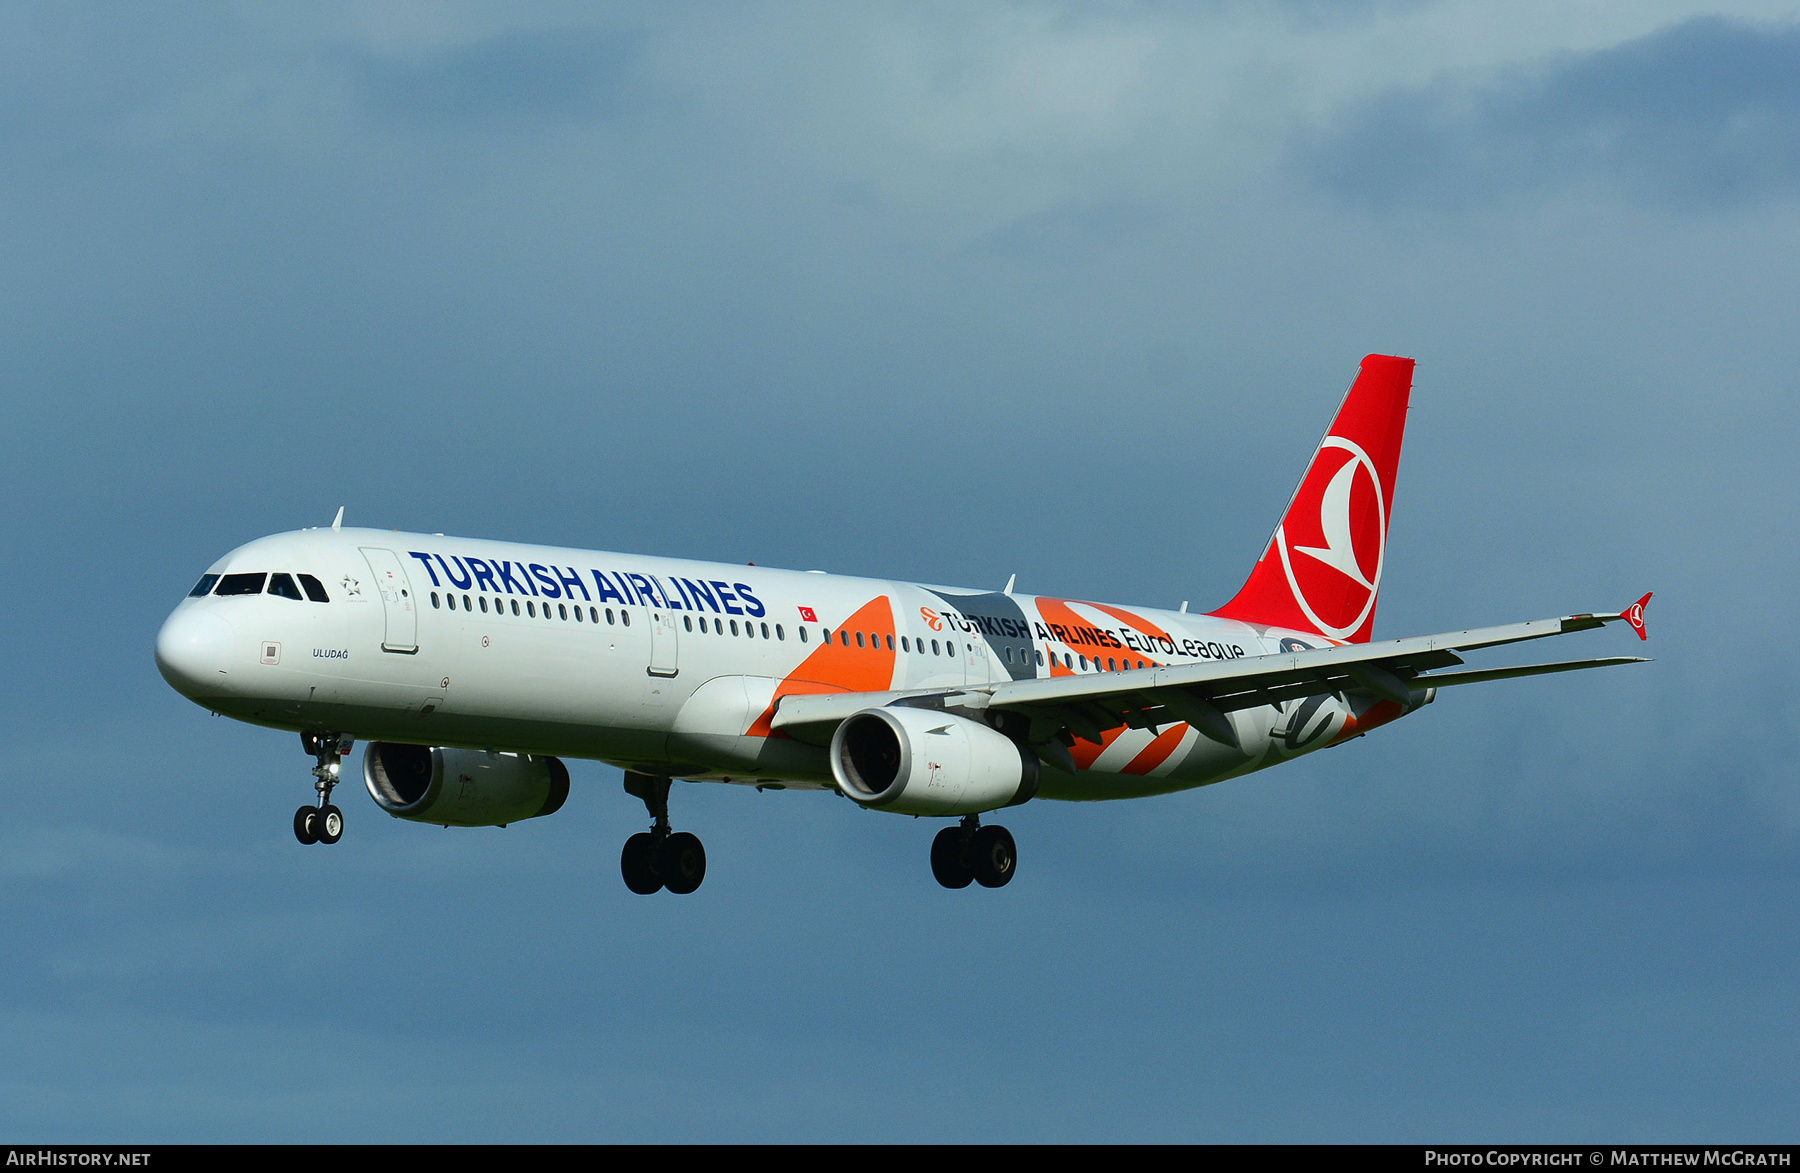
(934, 648)
(578, 614)
(434, 601)
(1084, 663)
(562, 609)
(688, 622)
(625, 618)
(765, 631)
(609, 617)
(283, 584)
(1039, 657)
(241, 584)
(467, 606)
(825, 634)
(734, 627)
(315, 590)
(890, 643)
(844, 637)
(859, 639)
(802, 632)
(515, 606)
(780, 634)
(530, 609)
(1112, 665)
(483, 601)
(204, 586)
(593, 614)
(1068, 662)
(905, 644)
(450, 601)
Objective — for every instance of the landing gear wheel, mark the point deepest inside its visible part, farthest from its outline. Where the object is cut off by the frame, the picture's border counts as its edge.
(947, 862)
(994, 856)
(681, 862)
(638, 864)
(323, 823)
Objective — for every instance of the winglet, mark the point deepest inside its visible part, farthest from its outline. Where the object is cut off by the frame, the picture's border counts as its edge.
(1634, 615)
(338, 522)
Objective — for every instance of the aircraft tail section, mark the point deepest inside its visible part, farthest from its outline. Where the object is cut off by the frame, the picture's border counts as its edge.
(1321, 570)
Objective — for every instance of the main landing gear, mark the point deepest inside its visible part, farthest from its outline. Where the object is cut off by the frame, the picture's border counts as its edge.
(323, 823)
(657, 858)
(972, 853)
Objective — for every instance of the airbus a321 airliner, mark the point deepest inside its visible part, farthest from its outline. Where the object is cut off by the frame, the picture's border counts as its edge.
(472, 667)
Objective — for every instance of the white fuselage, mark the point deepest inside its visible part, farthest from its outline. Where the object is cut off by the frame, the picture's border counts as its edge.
(674, 667)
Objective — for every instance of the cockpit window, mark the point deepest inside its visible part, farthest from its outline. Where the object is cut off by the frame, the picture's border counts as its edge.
(204, 586)
(315, 590)
(241, 584)
(283, 585)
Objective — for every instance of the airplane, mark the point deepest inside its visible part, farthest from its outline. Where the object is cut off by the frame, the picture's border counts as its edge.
(471, 668)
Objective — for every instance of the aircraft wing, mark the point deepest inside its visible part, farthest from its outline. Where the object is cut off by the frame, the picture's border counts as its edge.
(1201, 694)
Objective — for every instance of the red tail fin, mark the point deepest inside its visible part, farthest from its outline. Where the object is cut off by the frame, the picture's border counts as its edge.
(1321, 571)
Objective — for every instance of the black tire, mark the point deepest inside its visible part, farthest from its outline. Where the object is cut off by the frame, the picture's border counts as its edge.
(329, 824)
(637, 863)
(947, 862)
(682, 862)
(306, 825)
(994, 856)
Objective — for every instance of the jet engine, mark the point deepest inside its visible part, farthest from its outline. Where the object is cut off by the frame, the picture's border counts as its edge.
(923, 762)
(462, 787)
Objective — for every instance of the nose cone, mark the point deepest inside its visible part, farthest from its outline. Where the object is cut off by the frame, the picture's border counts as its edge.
(193, 650)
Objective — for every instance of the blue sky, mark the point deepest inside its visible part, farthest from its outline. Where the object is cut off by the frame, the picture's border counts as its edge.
(937, 292)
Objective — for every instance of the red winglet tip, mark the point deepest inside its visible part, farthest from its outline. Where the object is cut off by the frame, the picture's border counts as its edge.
(1634, 615)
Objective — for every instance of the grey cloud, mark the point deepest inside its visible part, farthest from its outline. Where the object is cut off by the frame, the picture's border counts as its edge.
(519, 75)
(1056, 232)
(1706, 112)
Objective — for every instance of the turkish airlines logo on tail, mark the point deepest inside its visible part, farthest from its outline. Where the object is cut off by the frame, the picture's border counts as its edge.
(1334, 570)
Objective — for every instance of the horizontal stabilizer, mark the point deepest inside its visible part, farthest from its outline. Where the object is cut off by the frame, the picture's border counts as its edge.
(1430, 680)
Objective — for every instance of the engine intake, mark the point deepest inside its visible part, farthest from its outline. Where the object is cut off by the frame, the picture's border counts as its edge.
(462, 787)
(924, 762)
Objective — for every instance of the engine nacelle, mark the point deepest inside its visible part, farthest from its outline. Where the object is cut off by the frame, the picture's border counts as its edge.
(924, 762)
(462, 787)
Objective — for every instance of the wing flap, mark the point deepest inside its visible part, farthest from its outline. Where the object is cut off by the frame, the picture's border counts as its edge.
(1479, 677)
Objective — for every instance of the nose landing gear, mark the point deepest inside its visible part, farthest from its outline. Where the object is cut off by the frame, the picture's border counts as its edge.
(323, 823)
(658, 858)
(972, 853)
